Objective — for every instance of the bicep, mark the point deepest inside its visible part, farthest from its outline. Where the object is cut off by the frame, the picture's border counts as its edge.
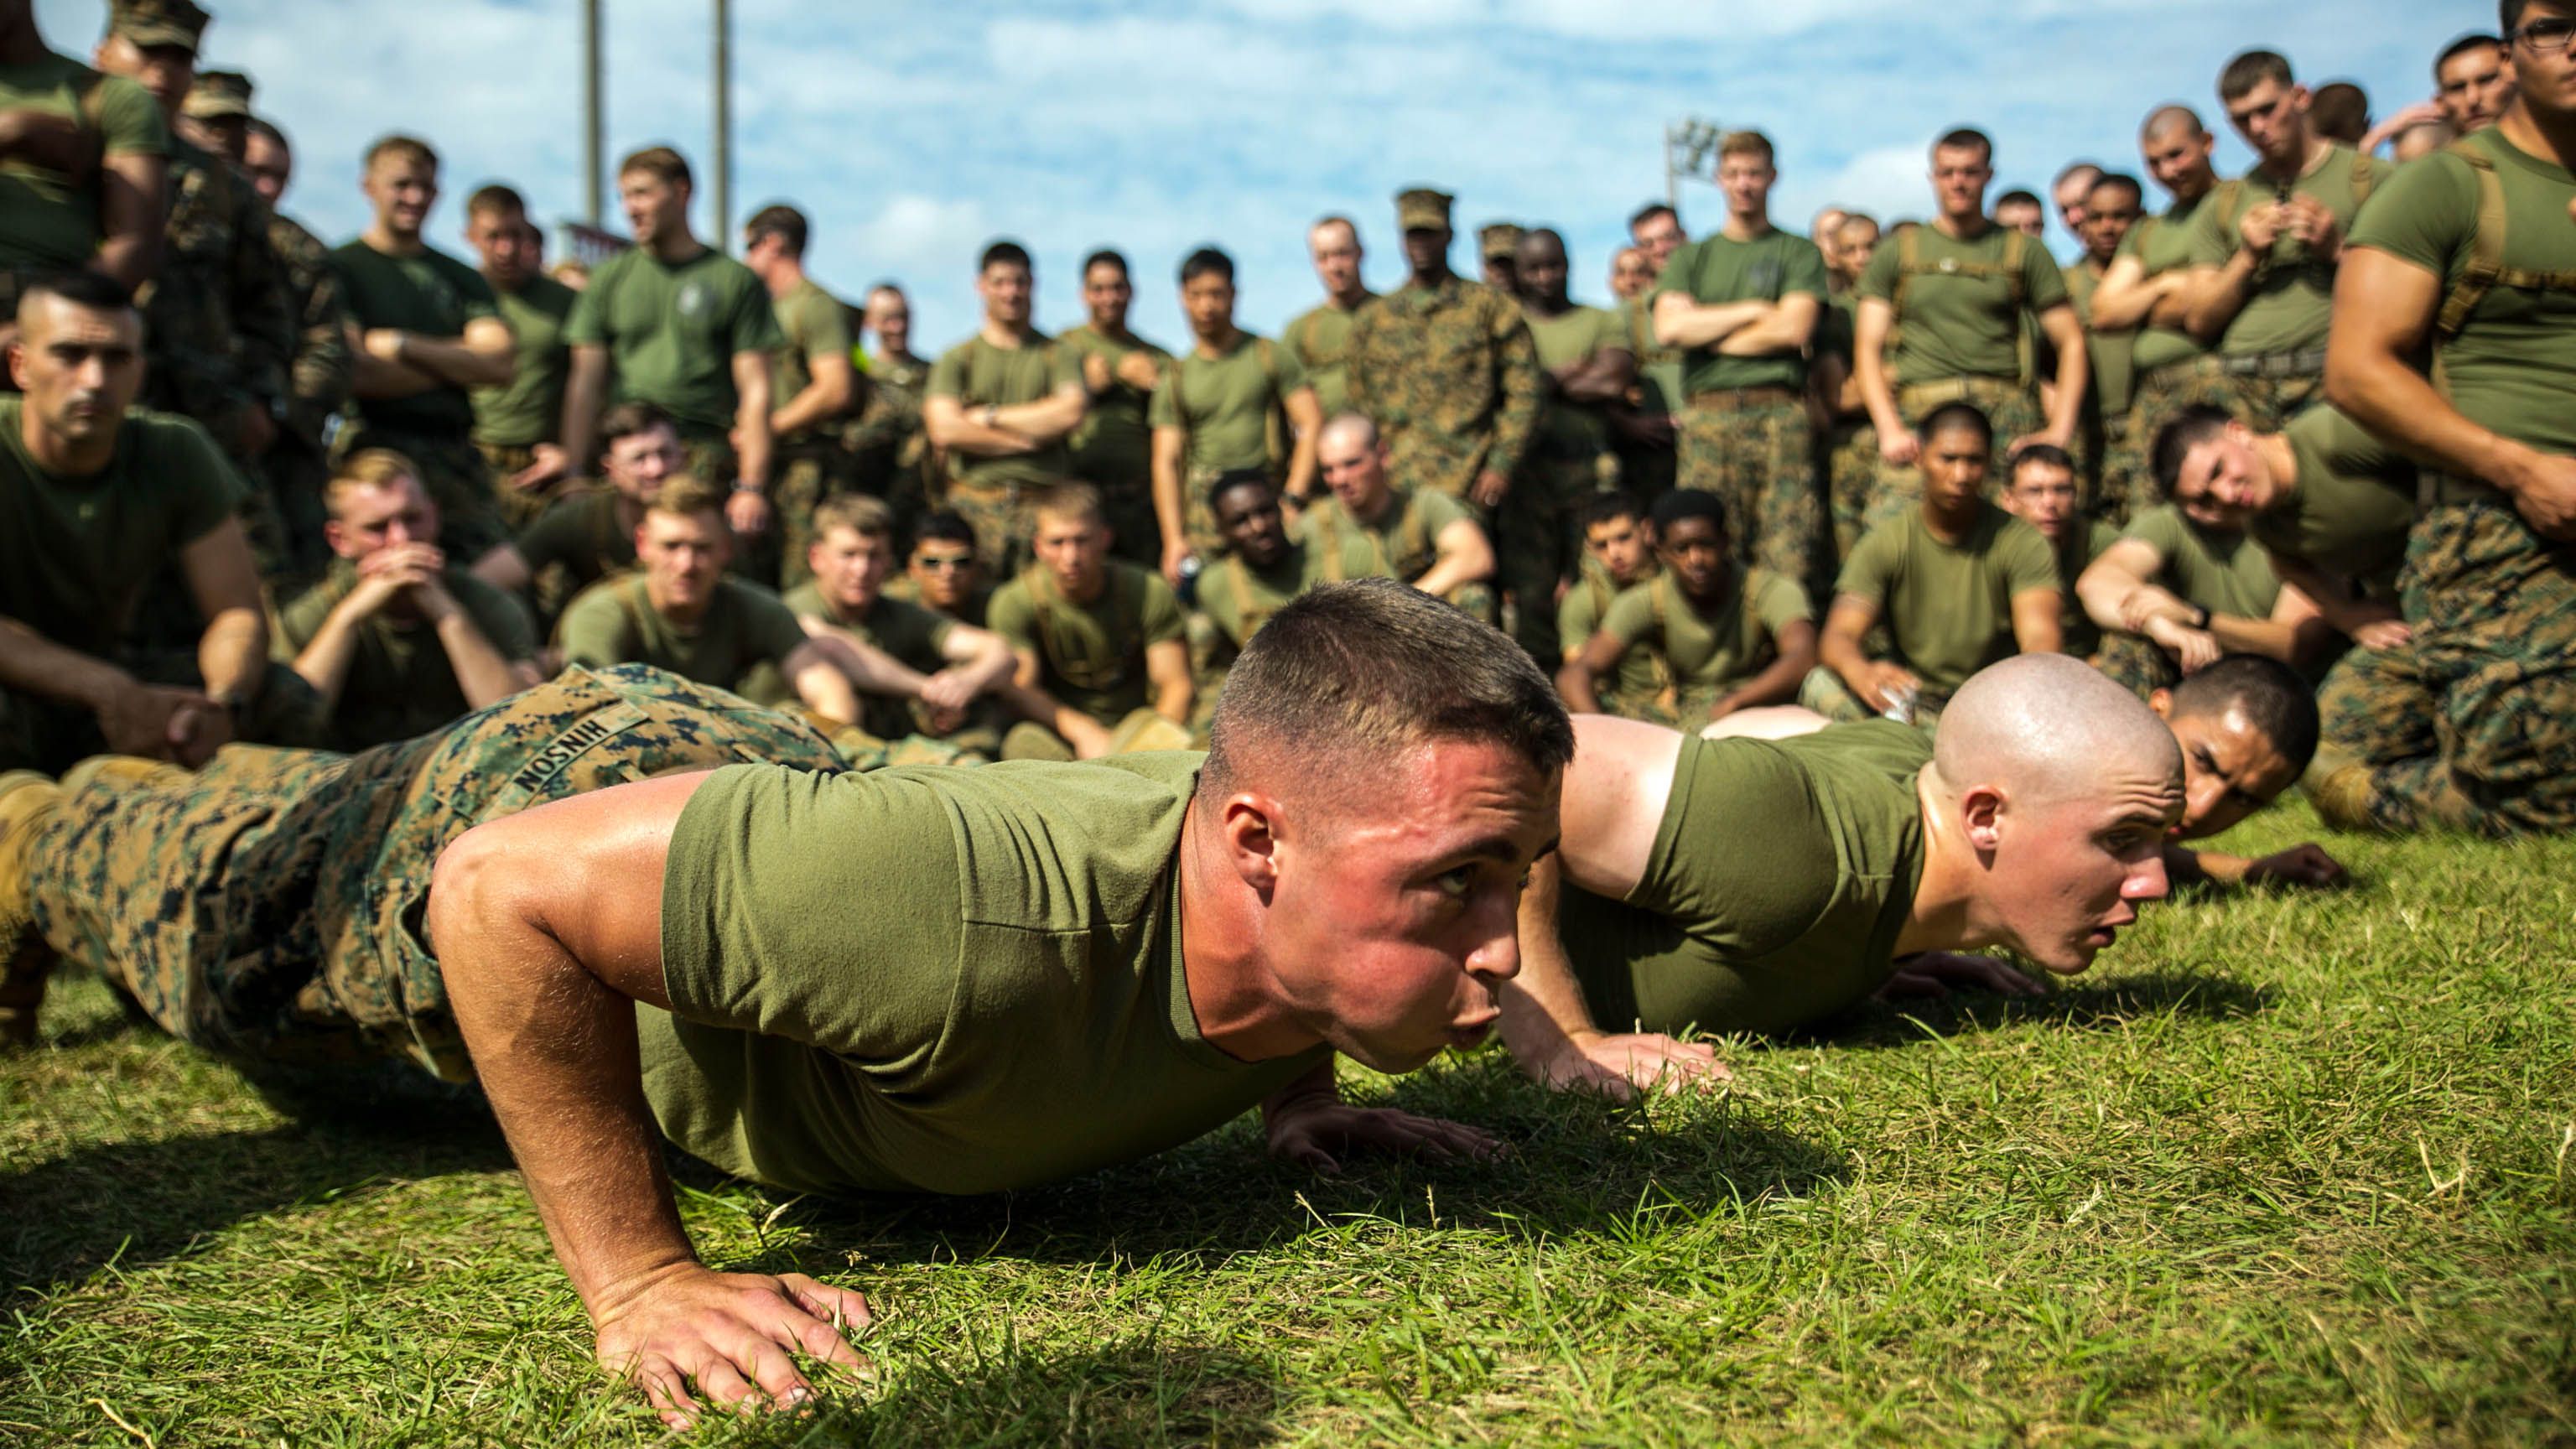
(2384, 308)
(489, 336)
(1613, 800)
(1850, 617)
(130, 191)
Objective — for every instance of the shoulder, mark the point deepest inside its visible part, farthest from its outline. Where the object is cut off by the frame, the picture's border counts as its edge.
(603, 602)
(499, 615)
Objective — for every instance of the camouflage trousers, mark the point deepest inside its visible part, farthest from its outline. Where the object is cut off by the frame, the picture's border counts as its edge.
(2472, 726)
(2013, 409)
(804, 475)
(1758, 456)
(2266, 404)
(470, 524)
(2161, 396)
(269, 908)
(2137, 664)
(1000, 516)
(518, 507)
(1847, 464)
(1538, 541)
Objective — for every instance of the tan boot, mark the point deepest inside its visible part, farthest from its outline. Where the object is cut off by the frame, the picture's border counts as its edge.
(27, 801)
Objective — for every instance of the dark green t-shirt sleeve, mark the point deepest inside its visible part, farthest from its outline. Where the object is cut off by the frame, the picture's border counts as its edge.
(1631, 616)
(753, 323)
(1676, 275)
(1162, 612)
(1748, 902)
(473, 293)
(593, 630)
(503, 622)
(1871, 569)
(769, 628)
(1286, 373)
(2024, 557)
(588, 324)
(2159, 528)
(1064, 369)
(1804, 270)
(2424, 215)
(129, 120)
(1878, 279)
(2211, 244)
(301, 619)
(1012, 616)
(948, 374)
(1780, 602)
(1160, 410)
(826, 330)
(204, 490)
(2042, 283)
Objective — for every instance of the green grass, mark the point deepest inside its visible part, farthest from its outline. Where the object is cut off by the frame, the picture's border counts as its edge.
(2283, 1169)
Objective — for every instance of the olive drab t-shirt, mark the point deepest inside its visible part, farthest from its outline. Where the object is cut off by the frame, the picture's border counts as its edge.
(1226, 406)
(529, 410)
(1238, 598)
(2353, 504)
(428, 292)
(1321, 340)
(1780, 878)
(2225, 573)
(580, 533)
(739, 644)
(2292, 304)
(1718, 268)
(2109, 352)
(400, 681)
(1114, 444)
(77, 555)
(1955, 322)
(813, 325)
(1568, 429)
(48, 220)
(1707, 653)
(2162, 244)
(1948, 606)
(935, 980)
(977, 374)
(1660, 383)
(1579, 614)
(1402, 544)
(911, 634)
(1091, 657)
(2512, 368)
(672, 332)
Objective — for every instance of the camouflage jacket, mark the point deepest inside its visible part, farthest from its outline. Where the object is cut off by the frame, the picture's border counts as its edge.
(218, 333)
(1452, 378)
(320, 376)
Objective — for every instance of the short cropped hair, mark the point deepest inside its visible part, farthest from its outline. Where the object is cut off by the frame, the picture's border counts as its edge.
(369, 468)
(629, 418)
(659, 162)
(1967, 138)
(408, 148)
(1068, 501)
(946, 525)
(1747, 143)
(83, 288)
(687, 495)
(495, 199)
(867, 517)
(2251, 69)
(1649, 212)
(1611, 507)
(1205, 260)
(2340, 111)
(781, 221)
(2074, 169)
(2048, 453)
(2190, 428)
(1106, 256)
(2120, 179)
(2472, 41)
(1234, 478)
(1683, 504)
(1951, 415)
(2272, 695)
(2019, 197)
(1002, 253)
(1368, 670)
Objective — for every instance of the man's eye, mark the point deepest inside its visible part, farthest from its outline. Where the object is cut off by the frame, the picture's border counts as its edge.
(1459, 881)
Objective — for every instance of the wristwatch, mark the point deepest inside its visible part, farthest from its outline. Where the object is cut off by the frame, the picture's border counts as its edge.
(992, 415)
(745, 485)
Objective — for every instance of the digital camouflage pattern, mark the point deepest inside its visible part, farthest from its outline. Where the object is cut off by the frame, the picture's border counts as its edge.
(268, 910)
(890, 455)
(1451, 376)
(1758, 457)
(1851, 480)
(318, 380)
(218, 337)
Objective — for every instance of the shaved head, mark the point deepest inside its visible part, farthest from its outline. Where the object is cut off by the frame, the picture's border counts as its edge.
(2172, 120)
(2048, 728)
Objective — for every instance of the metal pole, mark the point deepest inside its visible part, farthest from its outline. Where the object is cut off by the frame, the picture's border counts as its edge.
(724, 128)
(595, 203)
(1672, 183)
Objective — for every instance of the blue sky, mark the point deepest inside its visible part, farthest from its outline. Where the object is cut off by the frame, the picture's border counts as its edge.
(913, 133)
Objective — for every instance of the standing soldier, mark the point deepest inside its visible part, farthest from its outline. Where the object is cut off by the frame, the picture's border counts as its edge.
(2265, 248)
(1744, 302)
(1113, 449)
(1943, 319)
(513, 421)
(1446, 369)
(2148, 287)
(2472, 724)
(1321, 338)
(1648, 439)
(1583, 354)
(1498, 245)
(889, 456)
(1846, 442)
(1000, 405)
(1234, 402)
(813, 386)
(84, 171)
(2110, 210)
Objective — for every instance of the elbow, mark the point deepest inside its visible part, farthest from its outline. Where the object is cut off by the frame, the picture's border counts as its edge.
(461, 884)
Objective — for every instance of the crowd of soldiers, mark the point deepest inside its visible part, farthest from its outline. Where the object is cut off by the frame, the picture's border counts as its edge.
(2276, 481)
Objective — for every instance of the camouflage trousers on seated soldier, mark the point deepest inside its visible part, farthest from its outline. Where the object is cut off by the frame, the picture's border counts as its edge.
(1759, 458)
(2161, 396)
(1849, 470)
(2137, 664)
(269, 909)
(1825, 692)
(1000, 516)
(1198, 517)
(2472, 725)
(470, 523)
(2013, 409)
(1141, 732)
(1538, 540)
(804, 476)
(2118, 483)
(519, 507)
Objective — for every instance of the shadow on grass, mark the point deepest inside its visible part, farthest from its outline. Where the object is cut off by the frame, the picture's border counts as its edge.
(1137, 1392)
(2093, 1007)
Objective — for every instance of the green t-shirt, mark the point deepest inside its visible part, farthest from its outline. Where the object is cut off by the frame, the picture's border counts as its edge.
(2110, 353)
(530, 409)
(2292, 304)
(1948, 606)
(1956, 317)
(1402, 544)
(1633, 681)
(1708, 653)
(2349, 513)
(400, 683)
(1114, 445)
(579, 533)
(2078, 634)
(1568, 429)
(1321, 340)
(1091, 657)
(48, 221)
(935, 980)
(905, 630)
(430, 293)
(1238, 598)
(1224, 405)
(1718, 268)
(814, 324)
(977, 373)
(1727, 938)
(77, 555)
(2513, 368)
(2162, 244)
(1659, 368)
(673, 331)
(740, 643)
(2225, 573)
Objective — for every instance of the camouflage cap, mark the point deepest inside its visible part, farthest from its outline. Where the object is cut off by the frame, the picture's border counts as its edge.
(1422, 209)
(218, 95)
(158, 22)
(1497, 239)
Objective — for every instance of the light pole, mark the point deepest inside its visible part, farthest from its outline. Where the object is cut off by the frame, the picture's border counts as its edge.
(724, 126)
(594, 202)
(1688, 145)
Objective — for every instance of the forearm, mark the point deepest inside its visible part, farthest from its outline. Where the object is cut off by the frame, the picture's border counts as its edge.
(2104, 593)
(2215, 301)
(1776, 683)
(1777, 334)
(2273, 639)
(1877, 392)
(1574, 683)
(868, 668)
(1173, 698)
(1168, 509)
(585, 392)
(1543, 1006)
(456, 363)
(2187, 867)
(1042, 421)
(371, 376)
(325, 659)
(2074, 373)
(130, 258)
(1839, 650)
(34, 664)
(232, 654)
(752, 438)
(1680, 322)
(820, 400)
(823, 687)
(483, 674)
(2401, 407)
(1319, 1083)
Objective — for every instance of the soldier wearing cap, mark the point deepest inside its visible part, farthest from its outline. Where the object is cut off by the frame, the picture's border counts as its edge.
(1446, 368)
(1498, 245)
(82, 168)
(319, 374)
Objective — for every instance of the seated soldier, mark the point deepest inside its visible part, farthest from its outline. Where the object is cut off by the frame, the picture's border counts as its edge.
(1370, 528)
(589, 534)
(100, 504)
(1749, 885)
(1618, 553)
(941, 670)
(945, 572)
(2183, 586)
(1724, 639)
(1104, 665)
(2330, 503)
(2042, 492)
(1958, 583)
(396, 640)
(1259, 568)
(926, 981)
(681, 612)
